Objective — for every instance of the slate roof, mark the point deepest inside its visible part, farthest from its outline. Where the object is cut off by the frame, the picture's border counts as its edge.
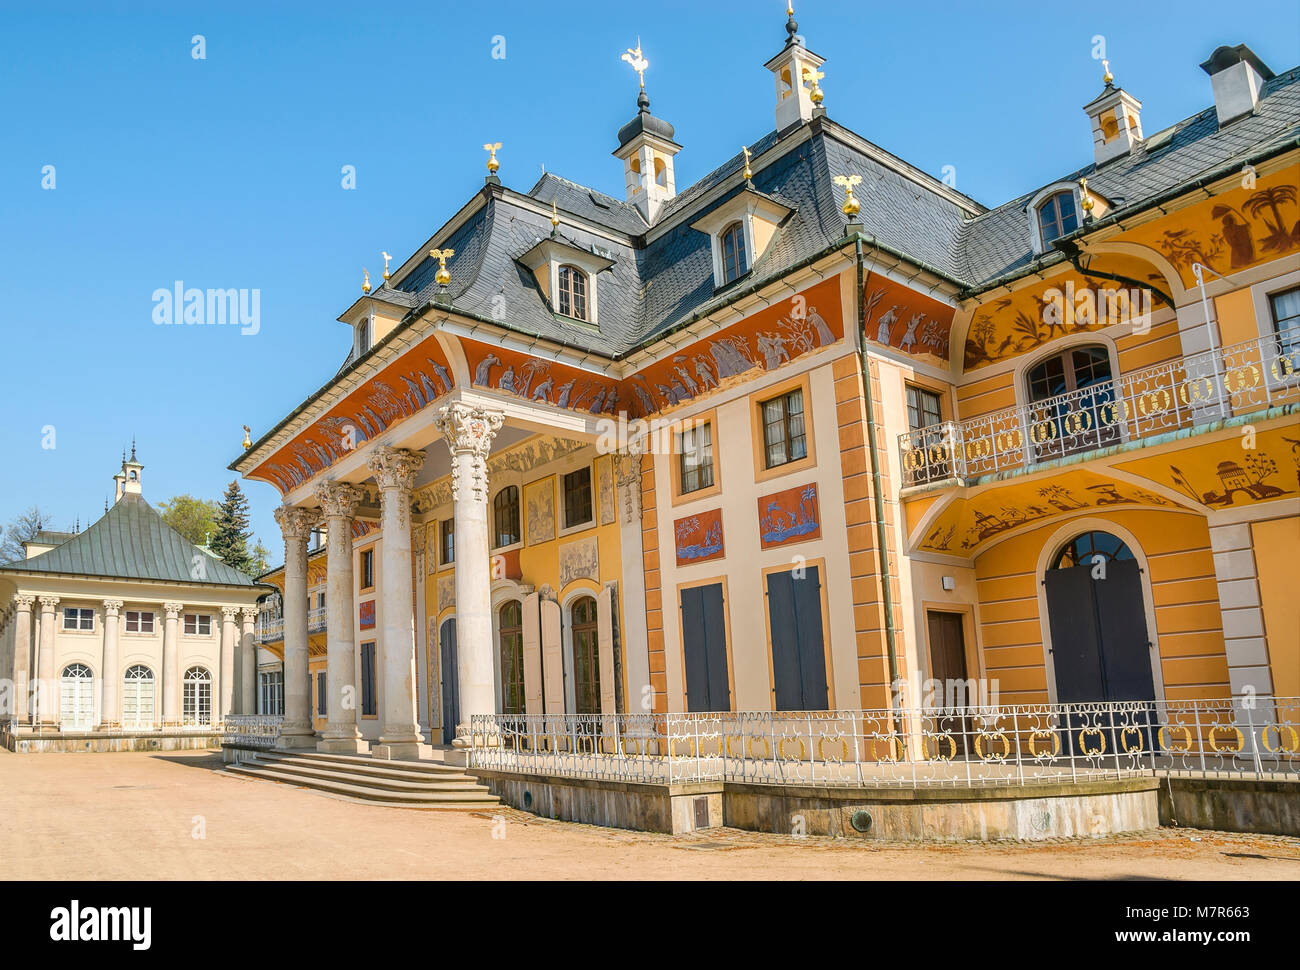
(131, 541)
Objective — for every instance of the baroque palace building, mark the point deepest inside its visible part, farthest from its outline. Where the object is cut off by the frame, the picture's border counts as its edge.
(814, 425)
(123, 637)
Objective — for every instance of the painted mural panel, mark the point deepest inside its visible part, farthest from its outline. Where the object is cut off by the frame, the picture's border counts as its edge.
(789, 516)
(698, 538)
(542, 381)
(901, 318)
(400, 390)
(1223, 474)
(366, 611)
(605, 489)
(579, 560)
(1231, 231)
(446, 591)
(431, 548)
(539, 508)
(764, 341)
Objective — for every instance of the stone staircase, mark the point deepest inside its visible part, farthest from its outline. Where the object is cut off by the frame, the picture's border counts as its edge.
(405, 784)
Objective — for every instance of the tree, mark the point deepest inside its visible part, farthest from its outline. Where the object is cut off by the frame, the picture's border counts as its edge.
(230, 539)
(194, 518)
(260, 559)
(22, 529)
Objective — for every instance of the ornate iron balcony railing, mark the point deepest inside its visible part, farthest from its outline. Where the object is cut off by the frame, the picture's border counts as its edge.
(270, 628)
(1197, 389)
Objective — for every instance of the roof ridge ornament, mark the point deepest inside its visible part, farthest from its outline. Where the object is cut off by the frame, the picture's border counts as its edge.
(638, 63)
(1107, 78)
(443, 276)
(387, 275)
(851, 205)
(811, 79)
(365, 280)
(791, 26)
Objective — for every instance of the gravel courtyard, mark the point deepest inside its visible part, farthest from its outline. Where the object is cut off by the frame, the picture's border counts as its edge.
(173, 816)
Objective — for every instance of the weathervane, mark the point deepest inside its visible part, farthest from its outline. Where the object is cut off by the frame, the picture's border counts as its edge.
(442, 278)
(1107, 78)
(1086, 197)
(748, 173)
(846, 182)
(492, 163)
(248, 441)
(810, 81)
(555, 217)
(637, 60)
(365, 280)
(386, 259)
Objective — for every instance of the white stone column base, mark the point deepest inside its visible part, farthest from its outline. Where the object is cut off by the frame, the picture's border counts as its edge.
(343, 746)
(403, 751)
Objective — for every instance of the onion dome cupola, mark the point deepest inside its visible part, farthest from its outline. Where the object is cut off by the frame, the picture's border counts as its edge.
(795, 100)
(647, 148)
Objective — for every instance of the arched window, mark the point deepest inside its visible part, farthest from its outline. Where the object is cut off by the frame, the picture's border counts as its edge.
(733, 252)
(1084, 549)
(77, 698)
(505, 517)
(137, 697)
(573, 292)
(511, 619)
(661, 172)
(196, 697)
(586, 656)
(1072, 403)
(1057, 216)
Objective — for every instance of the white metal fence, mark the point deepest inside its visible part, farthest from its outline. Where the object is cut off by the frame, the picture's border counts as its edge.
(252, 730)
(912, 747)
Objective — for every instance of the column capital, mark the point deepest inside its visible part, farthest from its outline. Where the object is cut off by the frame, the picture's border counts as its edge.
(296, 522)
(468, 428)
(249, 613)
(396, 467)
(48, 603)
(230, 612)
(23, 602)
(173, 610)
(339, 500)
(112, 607)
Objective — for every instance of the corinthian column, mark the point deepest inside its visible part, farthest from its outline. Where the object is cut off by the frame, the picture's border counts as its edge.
(296, 525)
(22, 657)
(171, 675)
(338, 501)
(469, 432)
(47, 692)
(246, 696)
(636, 645)
(229, 635)
(400, 735)
(110, 678)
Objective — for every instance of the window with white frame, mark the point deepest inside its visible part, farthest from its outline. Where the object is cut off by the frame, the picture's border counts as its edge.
(733, 252)
(75, 618)
(270, 685)
(196, 696)
(137, 697)
(572, 293)
(198, 625)
(139, 621)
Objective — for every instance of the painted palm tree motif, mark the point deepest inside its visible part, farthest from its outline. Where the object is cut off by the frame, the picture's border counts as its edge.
(1268, 202)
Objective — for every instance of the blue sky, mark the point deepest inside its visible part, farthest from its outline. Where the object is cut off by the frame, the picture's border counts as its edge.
(226, 171)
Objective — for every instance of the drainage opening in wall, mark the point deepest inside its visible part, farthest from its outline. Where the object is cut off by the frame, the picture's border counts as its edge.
(528, 799)
(860, 820)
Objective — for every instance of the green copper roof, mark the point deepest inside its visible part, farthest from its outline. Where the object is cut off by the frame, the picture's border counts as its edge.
(131, 541)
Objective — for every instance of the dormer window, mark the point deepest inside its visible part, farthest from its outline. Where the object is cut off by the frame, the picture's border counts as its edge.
(573, 293)
(733, 252)
(1057, 217)
(363, 337)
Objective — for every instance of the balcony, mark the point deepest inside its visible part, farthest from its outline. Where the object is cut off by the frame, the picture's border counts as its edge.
(270, 629)
(1199, 389)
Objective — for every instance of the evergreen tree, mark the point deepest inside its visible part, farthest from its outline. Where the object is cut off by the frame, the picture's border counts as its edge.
(230, 540)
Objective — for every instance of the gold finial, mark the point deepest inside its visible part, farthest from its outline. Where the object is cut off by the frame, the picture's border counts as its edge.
(387, 275)
(851, 206)
(1086, 196)
(555, 216)
(789, 8)
(1107, 78)
(492, 162)
(365, 282)
(637, 60)
(442, 277)
(748, 173)
(248, 441)
(810, 81)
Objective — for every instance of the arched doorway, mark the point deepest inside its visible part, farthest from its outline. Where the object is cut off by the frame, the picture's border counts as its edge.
(1097, 616)
(196, 696)
(77, 698)
(511, 635)
(449, 675)
(1071, 409)
(586, 656)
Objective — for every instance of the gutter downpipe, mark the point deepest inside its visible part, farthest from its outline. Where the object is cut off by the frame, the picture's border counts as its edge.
(877, 493)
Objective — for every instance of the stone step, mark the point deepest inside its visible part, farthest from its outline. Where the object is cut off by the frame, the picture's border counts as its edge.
(479, 798)
(388, 781)
(412, 769)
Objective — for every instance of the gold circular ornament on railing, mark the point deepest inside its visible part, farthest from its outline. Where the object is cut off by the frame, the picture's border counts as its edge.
(1214, 743)
(1197, 389)
(780, 749)
(1042, 733)
(1078, 421)
(1008, 440)
(913, 459)
(1124, 733)
(1101, 749)
(1155, 402)
(937, 454)
(767, 748)
(1040, 436)
(891, 755)
(1281, 748)
(690, 742)
(624, 743)
(1111, 412)
(979, 448)
(821, 753)
(1286, 371)
(1176, 729)
(938, 746)
(1246, 369)
(992, 756)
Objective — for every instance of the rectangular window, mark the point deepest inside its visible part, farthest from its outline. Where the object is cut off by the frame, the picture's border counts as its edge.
(321, 694)
(1286, 318)
(922, 408)
(784, 440)
(577, 497)
(198, 625)
(139, 621)
(271, 693)
(447, 530)
(320, 601)
(78, 619)
(368, 569)
(695, 446)
(368, 706)
(363, 337)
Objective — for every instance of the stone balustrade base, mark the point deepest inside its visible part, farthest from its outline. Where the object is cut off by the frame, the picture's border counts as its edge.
(343, 746)
(403, 751)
